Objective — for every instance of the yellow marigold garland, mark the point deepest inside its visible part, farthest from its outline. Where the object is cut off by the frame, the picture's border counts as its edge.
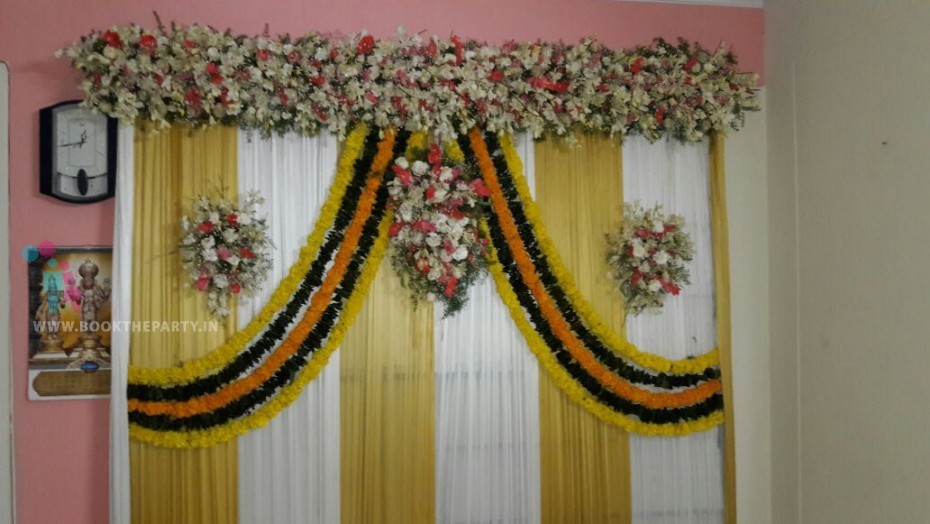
(222, 355)
(584, 308)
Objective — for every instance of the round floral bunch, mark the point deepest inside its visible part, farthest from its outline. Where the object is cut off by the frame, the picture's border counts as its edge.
(437, 246)
(224, 249)
(647, 257)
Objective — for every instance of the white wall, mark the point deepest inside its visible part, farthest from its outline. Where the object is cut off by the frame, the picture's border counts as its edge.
(849, 167)
(6, 398)
(747, 208)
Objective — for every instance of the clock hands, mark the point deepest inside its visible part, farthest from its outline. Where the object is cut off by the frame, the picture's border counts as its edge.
(78, 144)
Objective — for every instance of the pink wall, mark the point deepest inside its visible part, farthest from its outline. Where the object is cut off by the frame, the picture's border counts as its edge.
(61, 447)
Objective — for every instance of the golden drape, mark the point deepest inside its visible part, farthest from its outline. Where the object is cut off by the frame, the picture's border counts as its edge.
(387, 401)
(585, 465)
(172, 168)
(721, 246)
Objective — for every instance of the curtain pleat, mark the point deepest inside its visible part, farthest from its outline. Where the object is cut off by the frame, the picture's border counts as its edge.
(289, 470)
(172, 168)
(585, 470)
(120, 512)
(721, 239)
(387, 412)
(487, 410)
(676, 479)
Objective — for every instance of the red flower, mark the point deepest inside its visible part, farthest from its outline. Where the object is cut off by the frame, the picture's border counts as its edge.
(212, 69)
(477, 185)
(424, 226)
(318, 80)
(263, 55)
(366, 45)
(148, 44)
(224, 97)
(246, 253)
(192, 97)
(405, 177)
(643, 233)
(435, 154)
(189, 44)
(235, 288)
(223, 253)
(112, 39)
(496, 75)
(458, 49)
(670, 288)
(396, 228)
(216, 80)
(691, 63)
(203, 283)
(232, 219)
(430, 193)
(293, 57)
(450, 287)
(431, 49)
(205, 227)
(637, 66)
(637, 276)
(371, 97)
(660, 115)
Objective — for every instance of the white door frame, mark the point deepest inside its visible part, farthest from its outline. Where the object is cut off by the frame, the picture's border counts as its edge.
(7, 501)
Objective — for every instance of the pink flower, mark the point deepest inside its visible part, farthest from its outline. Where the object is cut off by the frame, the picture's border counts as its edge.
(396, 228)
(425, 226)
(435, 155)
(205, 227)
(405, 177)
(203, 283)
(450, 287)
(263, 55)
(477, 185)
(189, 44)
(371, 97)
(235, 288)
(223, 253)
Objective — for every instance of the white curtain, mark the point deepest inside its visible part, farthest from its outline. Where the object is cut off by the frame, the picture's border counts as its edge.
(487, 410)
(679, 479)
(121, 310)
(289, 470)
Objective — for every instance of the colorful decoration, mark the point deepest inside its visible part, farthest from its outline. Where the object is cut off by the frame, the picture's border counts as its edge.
(647, 257)
(437, 246)
(224, 249)
(609, 376)
(199, 76)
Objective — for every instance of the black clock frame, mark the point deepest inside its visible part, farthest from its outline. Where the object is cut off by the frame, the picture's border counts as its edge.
(47, 152)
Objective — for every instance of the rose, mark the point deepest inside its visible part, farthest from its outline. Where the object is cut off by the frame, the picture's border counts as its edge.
(112, 39)
(232, 219)
(246, 253)
(262, 55)
(366, 45)
(148, 44)
(235, 288)
(205, 227)
(496, 76)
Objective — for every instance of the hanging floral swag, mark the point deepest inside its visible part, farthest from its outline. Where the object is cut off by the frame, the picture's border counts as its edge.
(647, 257)
(437, 246)
(224, 249)
(200, 76)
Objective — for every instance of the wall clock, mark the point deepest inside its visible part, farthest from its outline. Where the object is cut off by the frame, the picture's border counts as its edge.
(77, 153)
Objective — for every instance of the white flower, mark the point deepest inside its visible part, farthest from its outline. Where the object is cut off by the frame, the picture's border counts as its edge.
(209, 255)
(654, 285)
(208, 242)
(461, 253)
(402, 162)
(420, 168)
(658, 227)
(661, 258)
(639, 251)
(220, 281)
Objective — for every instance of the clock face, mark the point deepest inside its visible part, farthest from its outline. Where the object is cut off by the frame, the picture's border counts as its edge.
(77, 153)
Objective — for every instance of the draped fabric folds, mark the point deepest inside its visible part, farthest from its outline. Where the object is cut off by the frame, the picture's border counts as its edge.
(289, 470)
(677, 479)
(585, 464)
(487, 410)
(387, 409)
(171, 169)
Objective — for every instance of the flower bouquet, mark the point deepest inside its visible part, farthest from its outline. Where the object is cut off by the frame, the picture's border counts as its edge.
(647, 257)
(224, 249)
(436, 244)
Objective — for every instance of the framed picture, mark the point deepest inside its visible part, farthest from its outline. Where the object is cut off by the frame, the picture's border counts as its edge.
(69, 322)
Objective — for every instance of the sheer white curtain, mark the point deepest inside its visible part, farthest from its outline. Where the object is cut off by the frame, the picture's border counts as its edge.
(678, 479)
(487, 410)
(119, 341)
(289, 470)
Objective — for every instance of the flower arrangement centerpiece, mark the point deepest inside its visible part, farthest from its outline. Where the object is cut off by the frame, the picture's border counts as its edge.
(436, 244)
(224, 249)
(647, 257)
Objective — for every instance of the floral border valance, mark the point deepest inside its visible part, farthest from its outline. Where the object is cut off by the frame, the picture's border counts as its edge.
(200, 76)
